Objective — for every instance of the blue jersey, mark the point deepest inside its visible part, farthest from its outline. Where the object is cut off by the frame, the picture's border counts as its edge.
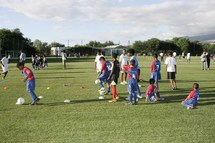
(157, 66)
(105, 71)
(132, 79)
(196, 96)
(136, 61)
(133, 73)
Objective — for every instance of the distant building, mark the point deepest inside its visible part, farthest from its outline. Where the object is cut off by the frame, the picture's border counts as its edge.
(56, 51)
(112, 49)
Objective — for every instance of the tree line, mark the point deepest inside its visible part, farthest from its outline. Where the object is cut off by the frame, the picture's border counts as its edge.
(12, 41)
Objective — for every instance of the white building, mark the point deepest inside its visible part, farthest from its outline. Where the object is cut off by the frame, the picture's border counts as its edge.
(113, 49)
(57, 50)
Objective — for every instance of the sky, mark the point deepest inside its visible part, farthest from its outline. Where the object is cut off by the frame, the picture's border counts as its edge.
(81, 21)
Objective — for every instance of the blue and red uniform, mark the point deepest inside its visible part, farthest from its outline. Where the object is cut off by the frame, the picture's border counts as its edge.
(30, 84)
(192, 98)
(155, 70)
(150, 92)
(138, 73)
(132, 82)
(105, 71)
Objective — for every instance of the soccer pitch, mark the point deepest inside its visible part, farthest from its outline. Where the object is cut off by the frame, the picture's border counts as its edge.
(87, 119)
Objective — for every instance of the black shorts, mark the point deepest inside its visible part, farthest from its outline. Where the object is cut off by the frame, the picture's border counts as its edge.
(114, 78)
(170, 75)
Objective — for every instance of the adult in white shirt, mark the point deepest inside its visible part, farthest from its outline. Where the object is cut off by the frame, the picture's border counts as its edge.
(174, 54)
(123, 61)
(4, 65)
(188, 57)
(64, 56)
(203, 60)
(162, 59)
(171, 69)
(98, 64)
(22, 57)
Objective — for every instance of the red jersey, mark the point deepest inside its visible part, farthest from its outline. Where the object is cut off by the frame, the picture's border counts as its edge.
(106, 67)
(155, 65)
(194, 94)
(28, 73)
(150, 89)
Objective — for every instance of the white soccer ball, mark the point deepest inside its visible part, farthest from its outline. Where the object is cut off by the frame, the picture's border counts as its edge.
(20, 101)
(97, 81)
(101, 97)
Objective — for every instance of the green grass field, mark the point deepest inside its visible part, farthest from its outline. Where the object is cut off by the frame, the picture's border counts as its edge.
(87, 119)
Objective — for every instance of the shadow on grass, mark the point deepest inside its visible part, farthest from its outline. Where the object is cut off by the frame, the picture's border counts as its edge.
(61, 68)
(54, 77)
(205, 103)
(58, 72)
(74, 102)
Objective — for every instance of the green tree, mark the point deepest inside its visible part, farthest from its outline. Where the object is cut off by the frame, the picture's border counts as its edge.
(138, 46)
(12, 41)
(182, 42)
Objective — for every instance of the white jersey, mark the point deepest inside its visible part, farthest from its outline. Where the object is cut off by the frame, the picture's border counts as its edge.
(123, 59)
(161, 54)
(188, 55)
(170, 62)
(22, 57)
(4, 62)
(64, 56)
(98, 63)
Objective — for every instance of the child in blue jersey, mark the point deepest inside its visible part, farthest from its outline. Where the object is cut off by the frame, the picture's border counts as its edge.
(104, 73)
(132, 72)
(131, 54)
(155, 69)
(192, 98)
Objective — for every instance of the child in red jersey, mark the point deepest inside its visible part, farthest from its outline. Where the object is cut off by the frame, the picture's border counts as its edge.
(104, 74)
(151, 92)
(30, 82)
(192, 98)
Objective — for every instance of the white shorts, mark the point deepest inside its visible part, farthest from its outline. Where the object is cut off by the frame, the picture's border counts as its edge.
(5, 68)
(98, 69)
(122, 71)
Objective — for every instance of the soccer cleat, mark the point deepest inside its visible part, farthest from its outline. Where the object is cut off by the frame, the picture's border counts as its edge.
(122, 83)
(37, 99)
(139, 96)
(101, 89)
(125, 82)
(137, 100)
(127, 99)
(108, 93)
(129, 103)
(113, 100)
(33, 103)
(117, 98)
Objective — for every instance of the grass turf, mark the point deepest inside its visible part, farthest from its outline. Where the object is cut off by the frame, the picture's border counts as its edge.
(87, 119)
